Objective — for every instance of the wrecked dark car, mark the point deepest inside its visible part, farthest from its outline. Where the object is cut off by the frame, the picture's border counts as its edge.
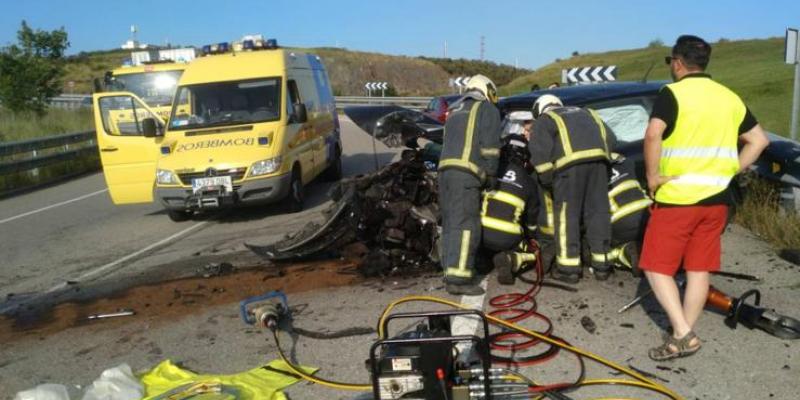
(391, 215)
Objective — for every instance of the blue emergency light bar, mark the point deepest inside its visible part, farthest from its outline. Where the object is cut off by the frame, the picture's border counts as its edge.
(224, 47)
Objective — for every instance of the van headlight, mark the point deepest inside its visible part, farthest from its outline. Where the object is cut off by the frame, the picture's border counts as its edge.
(166, 177)
(265, 167)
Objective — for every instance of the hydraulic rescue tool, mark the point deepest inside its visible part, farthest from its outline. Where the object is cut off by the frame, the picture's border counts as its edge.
(752, 315)
(425, 363)
(264, 310)
(432, 362)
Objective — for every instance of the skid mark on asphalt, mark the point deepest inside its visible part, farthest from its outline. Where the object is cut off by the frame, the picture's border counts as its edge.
(86, 196)
(97, 272)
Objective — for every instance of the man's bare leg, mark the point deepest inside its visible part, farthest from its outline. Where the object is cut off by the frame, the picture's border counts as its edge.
(666, 291)
(694, 300)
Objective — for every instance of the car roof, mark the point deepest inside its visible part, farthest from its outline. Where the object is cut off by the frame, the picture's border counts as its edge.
(580, 95)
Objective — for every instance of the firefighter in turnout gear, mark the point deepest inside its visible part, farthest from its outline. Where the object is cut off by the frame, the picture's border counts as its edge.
(509, 211)
(629, 211)
(469, 161)
(570, 149)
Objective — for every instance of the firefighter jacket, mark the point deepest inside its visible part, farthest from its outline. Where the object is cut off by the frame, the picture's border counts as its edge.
(472, 138)
(512, 206)
(625, 194)
(567, 136)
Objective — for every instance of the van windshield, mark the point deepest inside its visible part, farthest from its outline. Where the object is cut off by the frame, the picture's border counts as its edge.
(155, 88)
(227, 103)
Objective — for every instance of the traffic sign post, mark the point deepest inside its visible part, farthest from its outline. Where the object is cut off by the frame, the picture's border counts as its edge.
(459, 82)
(589, 74)
(792, 56)
(382, 86)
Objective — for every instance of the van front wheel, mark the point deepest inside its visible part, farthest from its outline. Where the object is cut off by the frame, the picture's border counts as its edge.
(179, 215)
(296, 197)
(334, 171)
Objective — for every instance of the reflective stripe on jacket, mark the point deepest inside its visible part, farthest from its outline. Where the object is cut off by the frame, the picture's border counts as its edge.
(472, 138)
(579, 135)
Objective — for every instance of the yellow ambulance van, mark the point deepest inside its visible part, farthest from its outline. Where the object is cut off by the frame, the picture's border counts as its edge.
(250, 123)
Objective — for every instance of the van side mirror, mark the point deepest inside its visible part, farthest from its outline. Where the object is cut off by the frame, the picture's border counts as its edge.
(150, 127)
(299, 115)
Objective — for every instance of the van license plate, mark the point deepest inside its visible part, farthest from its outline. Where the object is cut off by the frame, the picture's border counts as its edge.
(212, 182)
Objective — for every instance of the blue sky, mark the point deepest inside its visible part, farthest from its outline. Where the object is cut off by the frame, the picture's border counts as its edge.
(530, 33)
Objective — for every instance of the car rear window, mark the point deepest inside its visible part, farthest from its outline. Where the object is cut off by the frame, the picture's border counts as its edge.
(627, 117)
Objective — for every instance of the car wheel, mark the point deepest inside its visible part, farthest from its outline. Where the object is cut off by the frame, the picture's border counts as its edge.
(179, 215)
(334, 171)
(296, 196)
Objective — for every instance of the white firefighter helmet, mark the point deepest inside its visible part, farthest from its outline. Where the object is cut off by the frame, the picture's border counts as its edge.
(545, 102)
(483, 85)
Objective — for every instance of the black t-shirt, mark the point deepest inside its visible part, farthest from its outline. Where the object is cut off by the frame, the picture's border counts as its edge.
(666, 109)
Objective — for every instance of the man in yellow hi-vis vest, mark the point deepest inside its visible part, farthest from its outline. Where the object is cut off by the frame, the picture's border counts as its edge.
(469, 160)
(690, 153)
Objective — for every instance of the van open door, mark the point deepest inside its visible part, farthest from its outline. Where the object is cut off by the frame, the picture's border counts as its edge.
(129, 135)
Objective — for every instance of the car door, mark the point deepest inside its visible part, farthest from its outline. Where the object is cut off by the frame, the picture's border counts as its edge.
(299, 134)
(128, 156)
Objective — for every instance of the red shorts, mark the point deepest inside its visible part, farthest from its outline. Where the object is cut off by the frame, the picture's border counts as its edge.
(684, 233)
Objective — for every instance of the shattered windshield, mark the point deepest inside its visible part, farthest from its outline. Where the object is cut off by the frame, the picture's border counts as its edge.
(155, 88)
(227, 103)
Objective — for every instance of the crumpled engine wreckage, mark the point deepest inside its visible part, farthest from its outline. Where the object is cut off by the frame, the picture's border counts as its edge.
(392, 212)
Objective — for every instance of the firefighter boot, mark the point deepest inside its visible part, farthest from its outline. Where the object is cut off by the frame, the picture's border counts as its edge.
(630, 257)
(601, 272)
(465, 288)
(569, 275)
(509, 263)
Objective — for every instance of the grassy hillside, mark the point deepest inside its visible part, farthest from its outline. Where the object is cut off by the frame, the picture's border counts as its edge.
(348, 70)
(752, 68)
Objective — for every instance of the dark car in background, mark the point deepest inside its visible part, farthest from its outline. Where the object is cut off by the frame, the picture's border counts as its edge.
(626, 107)
(437, 107)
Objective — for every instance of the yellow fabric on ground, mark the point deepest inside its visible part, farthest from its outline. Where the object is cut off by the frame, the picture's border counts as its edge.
(257, 383)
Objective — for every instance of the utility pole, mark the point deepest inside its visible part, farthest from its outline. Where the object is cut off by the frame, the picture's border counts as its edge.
(483, 46)
(445, 49)
(792, 56)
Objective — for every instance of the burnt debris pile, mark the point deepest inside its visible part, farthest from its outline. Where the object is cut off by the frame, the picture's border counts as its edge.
(391, 215)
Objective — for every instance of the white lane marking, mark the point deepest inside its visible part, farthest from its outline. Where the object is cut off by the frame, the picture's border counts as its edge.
(9, 219)
(103, 268)
(468, 325)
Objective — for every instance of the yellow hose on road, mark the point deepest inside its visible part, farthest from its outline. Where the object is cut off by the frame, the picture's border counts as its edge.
(640, 382)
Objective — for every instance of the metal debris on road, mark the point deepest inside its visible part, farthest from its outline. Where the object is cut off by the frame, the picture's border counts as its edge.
(215, 269)
(120, 313)
(588, 324)
(393, 213)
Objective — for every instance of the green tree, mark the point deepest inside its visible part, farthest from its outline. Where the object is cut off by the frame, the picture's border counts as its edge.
(31, 70)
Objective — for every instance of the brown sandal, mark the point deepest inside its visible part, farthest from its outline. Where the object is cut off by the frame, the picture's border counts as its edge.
(674, 348)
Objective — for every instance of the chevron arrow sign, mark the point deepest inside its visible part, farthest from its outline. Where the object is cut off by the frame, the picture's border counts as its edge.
(589, 74)
(461, 81)
(376, 85)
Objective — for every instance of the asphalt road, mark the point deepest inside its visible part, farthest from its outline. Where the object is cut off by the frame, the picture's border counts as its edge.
(44, 249)
(74, 233)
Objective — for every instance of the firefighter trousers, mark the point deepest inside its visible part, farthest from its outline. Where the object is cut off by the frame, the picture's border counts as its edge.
(580, 196)
(460, 203)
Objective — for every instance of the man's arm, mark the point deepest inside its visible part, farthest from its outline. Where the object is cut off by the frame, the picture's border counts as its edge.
(652, 155)
(754, 142)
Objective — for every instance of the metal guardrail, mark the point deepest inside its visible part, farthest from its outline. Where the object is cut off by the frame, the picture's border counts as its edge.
(416, 103)
(74, 101)
(73, 145)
